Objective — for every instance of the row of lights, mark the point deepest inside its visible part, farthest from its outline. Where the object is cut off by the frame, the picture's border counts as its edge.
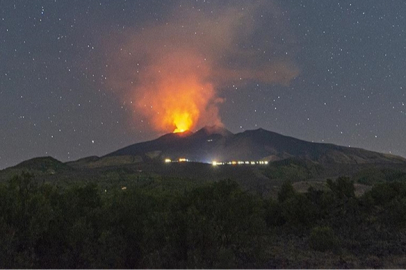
(168, 160)
(217, 163)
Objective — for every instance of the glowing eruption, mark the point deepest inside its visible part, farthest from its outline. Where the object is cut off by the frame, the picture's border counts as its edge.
(179, 96)
(171, 72)
(182, 121)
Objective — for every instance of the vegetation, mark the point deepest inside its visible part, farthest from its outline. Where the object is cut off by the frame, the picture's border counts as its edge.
(323, 239)
(293, 169)
(214, 225)
(373, 176)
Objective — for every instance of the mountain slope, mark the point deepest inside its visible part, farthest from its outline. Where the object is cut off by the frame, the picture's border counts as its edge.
(216, 143)
(39, 166)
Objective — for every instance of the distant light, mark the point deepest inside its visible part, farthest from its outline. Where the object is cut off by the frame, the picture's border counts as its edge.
(233, 162)
(168, 160)
(183, 160)
(123, 188)
(214, 163)
(252, 162)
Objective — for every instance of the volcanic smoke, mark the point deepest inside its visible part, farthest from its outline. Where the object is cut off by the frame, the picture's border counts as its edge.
(175, 93)
(171, 72)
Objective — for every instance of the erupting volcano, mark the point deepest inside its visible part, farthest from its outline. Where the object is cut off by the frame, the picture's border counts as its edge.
(174, 93)
(172, 72)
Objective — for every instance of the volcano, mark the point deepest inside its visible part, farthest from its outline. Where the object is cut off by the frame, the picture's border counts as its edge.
(217, 143)
(286, 155)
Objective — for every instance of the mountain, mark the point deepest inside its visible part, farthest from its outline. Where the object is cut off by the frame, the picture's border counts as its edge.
(39, 166)
(142, 164)
(217, 143)
(47, 165)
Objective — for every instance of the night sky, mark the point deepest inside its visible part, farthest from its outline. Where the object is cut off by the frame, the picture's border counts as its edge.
(82, 78)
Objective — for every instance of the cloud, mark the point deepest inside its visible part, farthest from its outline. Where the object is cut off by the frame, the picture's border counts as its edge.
(172, 69)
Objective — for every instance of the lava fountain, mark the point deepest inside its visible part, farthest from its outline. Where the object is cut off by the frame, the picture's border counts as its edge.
(175, 94)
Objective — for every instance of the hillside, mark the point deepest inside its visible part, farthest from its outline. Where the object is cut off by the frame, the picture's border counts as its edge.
(290, 159)
(40, 166)
(215, 143)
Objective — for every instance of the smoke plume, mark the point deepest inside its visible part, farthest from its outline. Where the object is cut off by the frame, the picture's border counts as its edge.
(172, 70)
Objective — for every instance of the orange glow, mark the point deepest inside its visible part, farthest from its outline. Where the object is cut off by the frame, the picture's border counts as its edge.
(182, 121)
(175, 95)
(168, 71)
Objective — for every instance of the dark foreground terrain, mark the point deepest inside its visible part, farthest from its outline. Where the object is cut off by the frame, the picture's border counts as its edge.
(174, 222)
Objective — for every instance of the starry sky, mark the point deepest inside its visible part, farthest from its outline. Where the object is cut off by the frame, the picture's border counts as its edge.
(82, 78)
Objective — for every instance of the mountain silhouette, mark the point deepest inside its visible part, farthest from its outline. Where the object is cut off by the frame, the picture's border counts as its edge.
(217, 143)
(287, 156)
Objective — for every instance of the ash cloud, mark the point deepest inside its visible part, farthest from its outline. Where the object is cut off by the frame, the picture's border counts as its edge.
(175, 67)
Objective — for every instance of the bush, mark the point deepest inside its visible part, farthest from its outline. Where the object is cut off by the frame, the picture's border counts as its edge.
(343, 187)
(323, 239)
(218, 225)
(287, 191)
(299, 212)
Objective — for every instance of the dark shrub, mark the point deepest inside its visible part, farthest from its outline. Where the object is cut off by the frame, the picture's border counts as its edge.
(323, 239)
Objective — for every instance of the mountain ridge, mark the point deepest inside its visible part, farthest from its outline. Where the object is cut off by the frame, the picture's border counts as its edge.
(289, 158)
(217, 143)
(214, 143)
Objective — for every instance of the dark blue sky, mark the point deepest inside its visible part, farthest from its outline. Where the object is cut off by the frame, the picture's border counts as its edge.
(335, 71)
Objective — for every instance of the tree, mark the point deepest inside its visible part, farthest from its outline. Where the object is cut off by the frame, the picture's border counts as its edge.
(218, 225)
(342, 188)
(287, 191)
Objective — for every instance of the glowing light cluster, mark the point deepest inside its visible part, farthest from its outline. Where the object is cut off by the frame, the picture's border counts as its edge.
(217, 163)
